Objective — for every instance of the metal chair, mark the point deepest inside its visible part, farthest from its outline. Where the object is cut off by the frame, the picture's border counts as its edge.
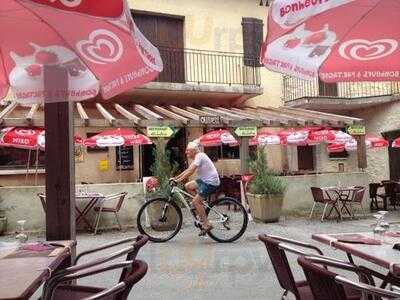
(323, 282)
(131, 253)
(319, 197)
(300, 289)
(368, 290)
(135, 270)
(42, 198)
(99, 209)
(356, 198)
(373, 195)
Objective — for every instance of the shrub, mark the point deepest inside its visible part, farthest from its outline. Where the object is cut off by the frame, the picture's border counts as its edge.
(265, 181)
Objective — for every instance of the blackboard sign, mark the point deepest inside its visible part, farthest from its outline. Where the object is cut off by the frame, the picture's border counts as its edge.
(126, 157)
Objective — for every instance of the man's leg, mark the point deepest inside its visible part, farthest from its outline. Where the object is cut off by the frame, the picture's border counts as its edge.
(198, 204)
(191, 187)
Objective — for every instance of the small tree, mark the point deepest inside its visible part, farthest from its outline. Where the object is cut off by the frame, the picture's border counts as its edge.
(162, 168)
(265, 181)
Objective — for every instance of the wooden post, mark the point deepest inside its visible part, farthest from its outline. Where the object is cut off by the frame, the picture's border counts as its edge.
(60, 169)
(244, 155)
(361, 151)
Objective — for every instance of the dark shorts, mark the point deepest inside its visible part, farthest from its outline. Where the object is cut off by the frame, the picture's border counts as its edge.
(205, 189)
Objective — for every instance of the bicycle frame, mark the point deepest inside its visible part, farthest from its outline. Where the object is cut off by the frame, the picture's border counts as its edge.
(181, 196)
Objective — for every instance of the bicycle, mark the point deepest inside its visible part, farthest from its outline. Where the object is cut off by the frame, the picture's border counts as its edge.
(161, 218)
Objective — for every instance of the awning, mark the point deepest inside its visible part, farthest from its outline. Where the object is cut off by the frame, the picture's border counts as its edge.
(136, 115)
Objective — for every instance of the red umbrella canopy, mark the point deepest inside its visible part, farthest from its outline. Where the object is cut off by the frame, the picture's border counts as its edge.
(117, 137)
(95, 40)
(294, 136)
(321, 136)
(336, 40)
(216, 138)
(42, 140)
(265, 138)
(20, 137)
(396, 143)
(370, 143)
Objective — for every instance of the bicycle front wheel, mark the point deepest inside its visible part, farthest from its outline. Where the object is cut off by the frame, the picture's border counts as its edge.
(229, 219)
(159, 219)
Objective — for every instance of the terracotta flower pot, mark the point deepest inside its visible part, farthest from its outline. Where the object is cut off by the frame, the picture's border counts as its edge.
(265, 208)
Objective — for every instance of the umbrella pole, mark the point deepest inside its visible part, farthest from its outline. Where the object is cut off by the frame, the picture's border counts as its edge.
(120, 166)
(36, 165)
(27, 166)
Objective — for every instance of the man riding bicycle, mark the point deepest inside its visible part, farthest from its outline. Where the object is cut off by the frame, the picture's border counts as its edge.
(206, 183)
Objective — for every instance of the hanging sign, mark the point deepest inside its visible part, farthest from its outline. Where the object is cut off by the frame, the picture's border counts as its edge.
(356, 130)
(159, 131)
(210, 120)
(125, 162)
(103, 165)
(246, 131)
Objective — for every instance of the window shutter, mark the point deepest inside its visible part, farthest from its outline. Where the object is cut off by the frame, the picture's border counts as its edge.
(252, 39)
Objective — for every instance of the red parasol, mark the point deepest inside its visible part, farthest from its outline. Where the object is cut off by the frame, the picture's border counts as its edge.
(117, 137)
(217, 138)
(265, 138)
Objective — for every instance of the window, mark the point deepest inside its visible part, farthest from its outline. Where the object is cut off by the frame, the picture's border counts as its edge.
(222, 152)
(126, 161)
(305, 157)
(343, 154)
(252, 30)
(13, 158)
(327, 89)
(95, 149)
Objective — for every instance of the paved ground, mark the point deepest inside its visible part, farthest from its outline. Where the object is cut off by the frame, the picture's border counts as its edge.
(189, 267)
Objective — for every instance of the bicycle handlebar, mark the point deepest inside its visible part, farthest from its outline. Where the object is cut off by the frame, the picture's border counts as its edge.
(172, 182)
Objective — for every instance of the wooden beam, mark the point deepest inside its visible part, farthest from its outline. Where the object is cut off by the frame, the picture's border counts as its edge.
(184, 113)
(285, 119)
(82, 113)
(170, 114)
(147, 113)
(301, 119)
(268, 121)
(127, 114)
(328, 116)
(361, 151)
(244, 155)
(6, 111)
(59, 157)
(32, 111)
(109, 117)
(221, 113)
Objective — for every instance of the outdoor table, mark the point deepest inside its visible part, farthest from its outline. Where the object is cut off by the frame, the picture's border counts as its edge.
(343, 195)
(382, 255)
(21, 275)
(93, 197)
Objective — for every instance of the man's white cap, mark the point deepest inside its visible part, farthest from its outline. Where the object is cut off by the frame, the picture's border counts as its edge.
(193, 145)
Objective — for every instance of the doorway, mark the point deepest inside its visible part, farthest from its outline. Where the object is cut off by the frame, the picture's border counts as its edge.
(166, 33)
(394, 155)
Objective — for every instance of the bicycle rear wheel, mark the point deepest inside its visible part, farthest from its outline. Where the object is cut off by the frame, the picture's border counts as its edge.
(159, 219)
(229, 219)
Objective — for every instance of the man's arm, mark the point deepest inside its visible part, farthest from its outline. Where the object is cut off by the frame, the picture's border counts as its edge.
(186, 174)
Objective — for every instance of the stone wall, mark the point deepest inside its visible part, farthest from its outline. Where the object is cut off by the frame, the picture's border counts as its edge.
(24, 204)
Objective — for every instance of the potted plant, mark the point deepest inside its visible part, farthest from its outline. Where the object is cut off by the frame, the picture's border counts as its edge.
(266, 190)
(162, 170)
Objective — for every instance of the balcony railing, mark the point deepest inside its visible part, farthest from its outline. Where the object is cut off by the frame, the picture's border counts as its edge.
(294, 88)
(208, 67)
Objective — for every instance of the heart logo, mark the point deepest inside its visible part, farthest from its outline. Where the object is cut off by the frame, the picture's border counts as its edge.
(101, 47)
(364, 50)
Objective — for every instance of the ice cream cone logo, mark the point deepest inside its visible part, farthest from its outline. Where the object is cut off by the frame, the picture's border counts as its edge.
(69, 3)
(360, 49)
(102, 47)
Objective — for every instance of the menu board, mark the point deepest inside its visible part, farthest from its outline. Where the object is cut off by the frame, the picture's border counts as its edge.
(126, 157)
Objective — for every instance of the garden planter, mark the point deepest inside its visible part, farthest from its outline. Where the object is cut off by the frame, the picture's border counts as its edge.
(265, 208)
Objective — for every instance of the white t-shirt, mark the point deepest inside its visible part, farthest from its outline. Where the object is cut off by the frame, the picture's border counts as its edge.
(206, 170)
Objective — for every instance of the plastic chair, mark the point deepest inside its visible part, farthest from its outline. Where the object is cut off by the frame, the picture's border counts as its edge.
(109, 209)
(135, 271)
(319, 197)
(300, 289)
